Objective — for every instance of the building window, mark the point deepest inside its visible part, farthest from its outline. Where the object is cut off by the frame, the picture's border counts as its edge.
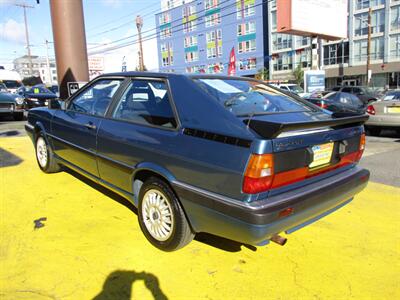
(189, 18)
(283, 62)
(248, 64)
(166, 32)
(395, 18)
(193, 69)
(336, 54)
(210, 4)
(215, 68)
(213, 20)
(273, 21)
(281, 41)
(247, 46)
(246, 28)
(395, 46)
(167, 54)
(302, 41)
(360, 49)
(214, 43)
(303, 58)
(190, 41)
(191, 56)
(245, 8)
(377, 23)
(165, 18)
(361, 4)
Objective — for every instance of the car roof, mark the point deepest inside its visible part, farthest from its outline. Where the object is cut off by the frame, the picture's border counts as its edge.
(167, 75)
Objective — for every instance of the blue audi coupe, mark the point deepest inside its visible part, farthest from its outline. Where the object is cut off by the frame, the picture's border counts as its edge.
(229, 156)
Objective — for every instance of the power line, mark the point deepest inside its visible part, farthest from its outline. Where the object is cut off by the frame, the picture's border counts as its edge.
(152, 36)
(174, 21)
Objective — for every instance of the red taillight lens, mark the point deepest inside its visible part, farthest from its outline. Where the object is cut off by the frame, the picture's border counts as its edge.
(371, 109)
(361, 147)
(259, 174)
(322, 104)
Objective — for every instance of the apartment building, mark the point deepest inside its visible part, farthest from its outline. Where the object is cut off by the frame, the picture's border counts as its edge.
(198, 36)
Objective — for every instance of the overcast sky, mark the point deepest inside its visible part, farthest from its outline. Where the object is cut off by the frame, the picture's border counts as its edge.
(115, 16)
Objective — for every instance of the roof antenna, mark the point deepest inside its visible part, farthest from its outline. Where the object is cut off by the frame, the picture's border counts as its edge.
(251, 116)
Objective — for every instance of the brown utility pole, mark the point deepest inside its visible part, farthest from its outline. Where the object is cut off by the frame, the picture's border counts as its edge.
(369, 73)
(69, 43)
(28, 46)
(139, 25)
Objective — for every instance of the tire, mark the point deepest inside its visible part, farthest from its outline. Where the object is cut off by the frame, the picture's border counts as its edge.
(18, 116)
(157, 199)
(374, 131)
(44, 155)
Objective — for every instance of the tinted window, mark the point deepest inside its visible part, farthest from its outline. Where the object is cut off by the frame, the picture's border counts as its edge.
(392, 96)
(247, 97)
(39, 90)
(345, 99)
(96, 98)
(356, 102)
(146, 102)
(336, 89)
(357, 90)
(12, 84)
(346, 90)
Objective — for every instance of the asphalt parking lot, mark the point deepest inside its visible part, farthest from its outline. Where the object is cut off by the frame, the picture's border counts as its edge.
(64, 237)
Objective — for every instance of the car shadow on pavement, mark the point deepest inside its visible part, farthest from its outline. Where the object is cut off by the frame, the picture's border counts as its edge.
(222, 243)
(205, 238)
(118, 285)
(121, 200)
(8, 159)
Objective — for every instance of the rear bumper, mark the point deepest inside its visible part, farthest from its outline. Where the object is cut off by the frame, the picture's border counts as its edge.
(256, 222)
(384, 121)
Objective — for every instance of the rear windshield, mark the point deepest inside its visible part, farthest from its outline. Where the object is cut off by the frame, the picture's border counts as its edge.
(392, 96)
(12, 84)
(248, 97)
(39, 90)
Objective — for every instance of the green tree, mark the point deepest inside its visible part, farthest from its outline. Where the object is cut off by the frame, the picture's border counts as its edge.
(262, 74)
(298, 74)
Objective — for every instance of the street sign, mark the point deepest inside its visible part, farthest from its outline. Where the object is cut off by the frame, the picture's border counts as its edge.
(73, 87)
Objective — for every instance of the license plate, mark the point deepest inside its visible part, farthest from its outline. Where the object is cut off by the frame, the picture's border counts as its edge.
(322, 155)
(394, 110)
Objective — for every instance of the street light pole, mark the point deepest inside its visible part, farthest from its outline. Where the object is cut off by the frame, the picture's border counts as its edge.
(139, 25)
(48, 63)
(369, 73)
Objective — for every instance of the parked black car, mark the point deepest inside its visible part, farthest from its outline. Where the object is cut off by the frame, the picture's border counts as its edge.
(37, 96)
(365, 94)
(339, 102)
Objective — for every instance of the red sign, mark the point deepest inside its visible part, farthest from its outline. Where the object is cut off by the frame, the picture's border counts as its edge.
(232, 63)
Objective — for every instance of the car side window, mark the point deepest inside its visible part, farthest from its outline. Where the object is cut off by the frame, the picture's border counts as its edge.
(357, 90)
(346, 90)
(356, 102)
(96, 98)
(146, 102)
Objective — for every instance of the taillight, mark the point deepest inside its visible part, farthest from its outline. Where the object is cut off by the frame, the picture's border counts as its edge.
(322, 104)
(361, 147)
(259, 173)
(371, 109)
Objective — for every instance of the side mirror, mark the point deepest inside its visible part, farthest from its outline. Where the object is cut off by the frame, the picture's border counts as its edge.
(56, 104)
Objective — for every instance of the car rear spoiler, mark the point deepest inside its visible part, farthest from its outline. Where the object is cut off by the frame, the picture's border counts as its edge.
(268, 129)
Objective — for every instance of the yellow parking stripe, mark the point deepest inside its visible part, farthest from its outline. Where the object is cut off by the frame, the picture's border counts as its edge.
(90, 246)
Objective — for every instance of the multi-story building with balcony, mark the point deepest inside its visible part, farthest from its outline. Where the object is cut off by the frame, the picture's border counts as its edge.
(197, 36)
(345, 60)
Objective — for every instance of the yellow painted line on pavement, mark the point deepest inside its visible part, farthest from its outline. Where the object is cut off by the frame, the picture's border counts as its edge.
(91, 247)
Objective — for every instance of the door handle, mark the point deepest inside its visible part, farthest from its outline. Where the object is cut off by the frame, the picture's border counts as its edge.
(90, 125)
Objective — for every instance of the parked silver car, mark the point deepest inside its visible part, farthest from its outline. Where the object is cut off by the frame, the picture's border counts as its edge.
(384, 114)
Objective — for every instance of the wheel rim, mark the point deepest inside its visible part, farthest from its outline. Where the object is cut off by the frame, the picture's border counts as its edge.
(157, 215)
(41, 152)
